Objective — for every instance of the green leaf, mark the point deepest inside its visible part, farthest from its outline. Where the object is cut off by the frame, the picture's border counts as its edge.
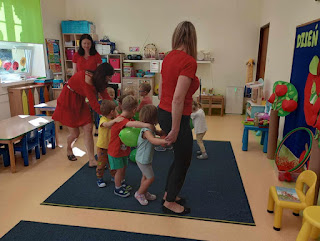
(314, 88)
(23, 69)
(287, 98)
(291, 93)
(279, 104)
(319, 143)
(281, 112)
(289, 88)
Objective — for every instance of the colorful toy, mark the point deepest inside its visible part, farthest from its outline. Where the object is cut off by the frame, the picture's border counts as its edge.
(289, 170)
(132, 155)
(129, 136)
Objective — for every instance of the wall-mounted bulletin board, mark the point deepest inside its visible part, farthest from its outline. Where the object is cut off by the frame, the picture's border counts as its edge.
(54, 55)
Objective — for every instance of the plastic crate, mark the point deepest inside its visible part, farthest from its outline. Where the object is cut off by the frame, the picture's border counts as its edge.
(116, 78)
(115, 63)
(57, 83)
(77, 27)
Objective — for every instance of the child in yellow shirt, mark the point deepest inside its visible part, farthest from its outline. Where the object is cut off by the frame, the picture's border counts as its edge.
(107, 109)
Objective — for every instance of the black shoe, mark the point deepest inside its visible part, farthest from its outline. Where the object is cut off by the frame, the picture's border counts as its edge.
(181, 202)
(168, 211)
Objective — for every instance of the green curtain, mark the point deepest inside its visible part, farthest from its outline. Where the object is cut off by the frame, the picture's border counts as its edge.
(21, 21)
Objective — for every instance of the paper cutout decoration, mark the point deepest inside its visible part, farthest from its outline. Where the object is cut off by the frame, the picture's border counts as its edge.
(46, 94)
(284, 98)
(31, 102)
(25, 103)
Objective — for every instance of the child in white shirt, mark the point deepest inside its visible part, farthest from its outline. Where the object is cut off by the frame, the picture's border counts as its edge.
(200, 128)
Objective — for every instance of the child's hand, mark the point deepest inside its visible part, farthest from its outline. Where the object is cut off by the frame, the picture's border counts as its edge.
(118, 119)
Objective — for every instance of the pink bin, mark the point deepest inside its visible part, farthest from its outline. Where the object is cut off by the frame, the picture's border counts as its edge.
(116, 78)
(70, 53)
(115, 63)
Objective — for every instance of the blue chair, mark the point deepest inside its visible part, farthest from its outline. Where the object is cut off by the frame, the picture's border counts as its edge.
(27, 143)
(47, 133)
(5, 155)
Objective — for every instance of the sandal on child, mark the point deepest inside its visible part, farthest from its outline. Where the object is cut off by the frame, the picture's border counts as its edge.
(72, 157)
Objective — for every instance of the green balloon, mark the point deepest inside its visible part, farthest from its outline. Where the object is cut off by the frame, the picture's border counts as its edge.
(129, 136)
(136, 116)
(191, 124)
(132, 155)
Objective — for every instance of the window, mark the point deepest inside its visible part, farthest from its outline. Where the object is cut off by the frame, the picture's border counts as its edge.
(15, 61)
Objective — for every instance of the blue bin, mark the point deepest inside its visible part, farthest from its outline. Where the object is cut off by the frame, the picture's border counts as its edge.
(76, 27)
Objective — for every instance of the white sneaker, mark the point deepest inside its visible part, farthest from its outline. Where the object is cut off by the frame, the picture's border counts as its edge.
(203, 156)
(141, 198)
(150, 196)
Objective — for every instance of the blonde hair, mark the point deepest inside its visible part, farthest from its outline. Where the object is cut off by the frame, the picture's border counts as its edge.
(107, 106)
(129, 103)
(196, 105)
(185, 35)
(149, 114)
(129, 91)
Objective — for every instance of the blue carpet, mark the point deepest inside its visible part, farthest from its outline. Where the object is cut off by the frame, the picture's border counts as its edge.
(213, 188)
(32, 231)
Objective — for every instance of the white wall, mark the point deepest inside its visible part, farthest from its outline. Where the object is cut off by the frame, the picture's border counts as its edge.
(53, 12)
(284, 16)
(229, 29)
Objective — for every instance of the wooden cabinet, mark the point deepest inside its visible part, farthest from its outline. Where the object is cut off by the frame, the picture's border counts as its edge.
(24, 97)
(134, 83)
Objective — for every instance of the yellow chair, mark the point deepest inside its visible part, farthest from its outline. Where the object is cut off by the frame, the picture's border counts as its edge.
(311, 224)
(306, 199)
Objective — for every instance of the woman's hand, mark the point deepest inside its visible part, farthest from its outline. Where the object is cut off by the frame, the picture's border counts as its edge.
(172, 137)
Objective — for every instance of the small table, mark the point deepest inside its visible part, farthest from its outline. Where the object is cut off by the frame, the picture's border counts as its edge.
(264, 137)
(13, 129)
(212, 102)
(51, 107)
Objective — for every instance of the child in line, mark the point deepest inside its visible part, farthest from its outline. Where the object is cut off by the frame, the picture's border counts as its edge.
(144, 90)
(112, 94)
(118, 152)
(119, 107)
(129, 91)
(200, 128)
(107, 109)
(145, 150)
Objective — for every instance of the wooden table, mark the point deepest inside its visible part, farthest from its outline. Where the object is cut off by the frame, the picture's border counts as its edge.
(212, 102)
(14, 128)
(51, 107)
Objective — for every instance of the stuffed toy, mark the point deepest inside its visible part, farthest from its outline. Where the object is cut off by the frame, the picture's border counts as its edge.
(250, 65)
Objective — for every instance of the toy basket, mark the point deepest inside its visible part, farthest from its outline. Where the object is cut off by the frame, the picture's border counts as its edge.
(77, 27)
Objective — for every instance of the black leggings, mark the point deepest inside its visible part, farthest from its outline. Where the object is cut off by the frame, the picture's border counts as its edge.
(182, 153)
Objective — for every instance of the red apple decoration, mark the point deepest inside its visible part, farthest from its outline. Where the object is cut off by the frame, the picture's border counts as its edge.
(6, 65)
(272, 98)
(281, 90)
(289, 105)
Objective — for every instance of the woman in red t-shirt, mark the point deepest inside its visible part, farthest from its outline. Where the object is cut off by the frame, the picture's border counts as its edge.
(72, 110)
(87, 57)
(179, 83)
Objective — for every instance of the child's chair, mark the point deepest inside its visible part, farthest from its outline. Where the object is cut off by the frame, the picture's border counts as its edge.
(47, 133)
(306, 199)
(5, 154)
(27, 143)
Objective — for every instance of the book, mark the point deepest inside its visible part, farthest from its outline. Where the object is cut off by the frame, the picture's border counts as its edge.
(287, 194)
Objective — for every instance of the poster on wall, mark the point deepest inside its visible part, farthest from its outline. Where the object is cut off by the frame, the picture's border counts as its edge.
(54, 56)
(305, 76)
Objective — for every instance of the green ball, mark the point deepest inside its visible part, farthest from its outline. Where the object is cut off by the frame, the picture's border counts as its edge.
(191, 124)
(129, 136)
(136, 116)
(132, 155)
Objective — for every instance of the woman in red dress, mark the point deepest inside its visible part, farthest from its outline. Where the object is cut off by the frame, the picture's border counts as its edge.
(87, 57)
(72, 110)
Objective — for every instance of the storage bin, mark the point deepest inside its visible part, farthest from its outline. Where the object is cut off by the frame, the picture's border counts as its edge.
(70, 53)
(116, 78)
(77, 27)
(57, 83)
(115, 63)
(288, 176)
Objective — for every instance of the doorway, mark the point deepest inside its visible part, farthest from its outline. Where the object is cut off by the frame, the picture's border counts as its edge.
(262, 55)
